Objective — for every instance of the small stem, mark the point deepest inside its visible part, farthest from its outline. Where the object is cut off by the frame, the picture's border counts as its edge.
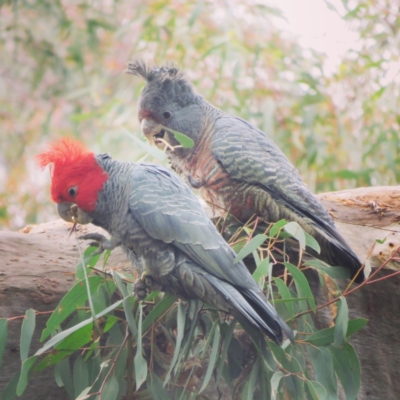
(368, 281)
(383, 278)
(129, 369)
(37, 313)
(114, 363)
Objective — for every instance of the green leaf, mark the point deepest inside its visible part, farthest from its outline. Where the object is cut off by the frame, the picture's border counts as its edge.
(63, 372)
(341, 324)
(139, 361)
(156, 387)
(296, 231)
(25, 372)
(248, 392)
(70, 302)
(312, 243)
(209, 337)
(347, 368)
(254, 244)
(280, 356)
(28, 327)
(276, 228)
(152, 150)
(224, 352)
(275, 381)
(158, 311)
(380, 241)
(84, 394)
(3, 336)
(185, 141)
(261, 270)
(111, 388)
(286, 295)
(71, 343)
(322, 363)
(317, 391)
(89, 261)
(302, 286)
(333, 272)
(181, 322)
(87, 285)
(62, 335)
(80, 375)
(10, 390)
(126, 304)
(213, 358)
(325, 337)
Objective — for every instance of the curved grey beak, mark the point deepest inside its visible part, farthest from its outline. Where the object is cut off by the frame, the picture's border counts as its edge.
(70, 212)
(150, 127)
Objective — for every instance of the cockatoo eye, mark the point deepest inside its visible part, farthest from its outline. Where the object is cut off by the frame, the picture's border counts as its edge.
(72, 191)
(166, 114)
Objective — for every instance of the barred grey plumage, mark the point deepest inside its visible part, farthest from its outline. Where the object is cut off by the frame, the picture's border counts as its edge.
(233, 164)
(154, 216)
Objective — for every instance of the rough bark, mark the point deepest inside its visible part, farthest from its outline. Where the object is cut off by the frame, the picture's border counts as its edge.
(37, 265)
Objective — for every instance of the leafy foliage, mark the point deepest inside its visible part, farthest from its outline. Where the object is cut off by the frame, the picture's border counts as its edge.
(62, 74)
(104, 344)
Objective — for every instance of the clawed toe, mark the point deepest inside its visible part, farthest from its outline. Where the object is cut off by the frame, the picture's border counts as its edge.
(140, 289)
(99, 241)
(144, 285)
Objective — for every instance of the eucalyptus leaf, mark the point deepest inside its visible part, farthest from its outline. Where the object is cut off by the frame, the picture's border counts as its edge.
(62, 335)
(185, 141)
(322, 363)
(139, 361)
(317, 391)
(156, 387)
(80, 376)
(284, 292)
(296, 231)
(347, 368)
(341, 322)
(333, 272)
(10, 391)
(277, 227)
(213, 358)
(302, 285)
(111, 387)
(158, 311)
(27, 366)
(27, 329)
(254, 244)
(75, 297)
(275, 381)
(3, 336)
(325, 337)
(312, 243)
(181, 322)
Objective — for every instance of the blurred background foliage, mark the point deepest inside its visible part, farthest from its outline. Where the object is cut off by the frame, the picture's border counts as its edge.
(62, 73)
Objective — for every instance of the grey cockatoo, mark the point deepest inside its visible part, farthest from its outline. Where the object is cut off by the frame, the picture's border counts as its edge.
(157, 220)
(233, 164)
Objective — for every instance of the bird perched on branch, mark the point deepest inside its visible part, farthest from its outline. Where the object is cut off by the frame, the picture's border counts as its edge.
(157, 220)
(233, 164)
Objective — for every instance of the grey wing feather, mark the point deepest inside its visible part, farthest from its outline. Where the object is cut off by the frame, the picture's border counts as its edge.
(167, 210)
(250, 156)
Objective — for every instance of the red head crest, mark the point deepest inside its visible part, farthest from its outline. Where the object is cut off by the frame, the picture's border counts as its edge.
(76, 176)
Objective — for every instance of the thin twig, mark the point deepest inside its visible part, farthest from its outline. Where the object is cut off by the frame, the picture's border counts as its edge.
(366, 282)
(114, 362)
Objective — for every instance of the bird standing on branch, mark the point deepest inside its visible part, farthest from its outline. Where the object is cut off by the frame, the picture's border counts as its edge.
(233, 164)
(158, 221)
